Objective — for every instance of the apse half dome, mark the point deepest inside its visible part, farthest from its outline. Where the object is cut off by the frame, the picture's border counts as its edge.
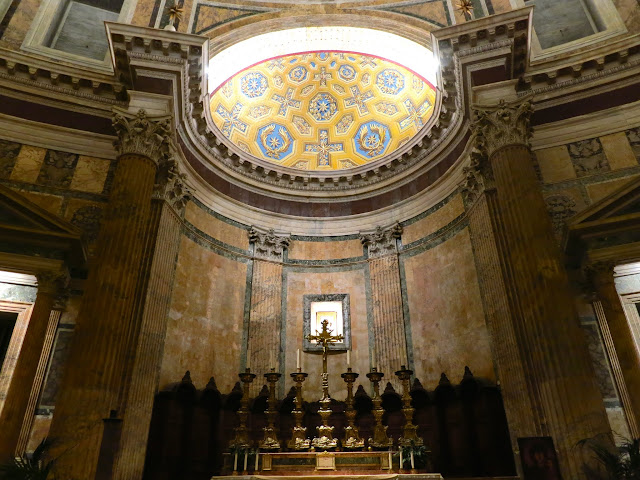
(280, 98)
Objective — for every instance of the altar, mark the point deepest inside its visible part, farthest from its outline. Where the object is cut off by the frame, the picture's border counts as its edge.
(369, 464)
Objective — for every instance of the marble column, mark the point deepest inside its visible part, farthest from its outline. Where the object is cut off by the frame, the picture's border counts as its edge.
(156, 286)
(547, 325)
(388, 313)
(265, 320)
(107, 326)
(16, 402)
(500, 300)
(618, 337)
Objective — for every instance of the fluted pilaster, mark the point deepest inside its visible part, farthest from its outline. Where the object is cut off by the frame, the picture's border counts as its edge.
(156, 286)
(623, 352)
(265, 321)
(107, 325)
(500, 299)
(388, 313)
(17, 400)
(547, 326)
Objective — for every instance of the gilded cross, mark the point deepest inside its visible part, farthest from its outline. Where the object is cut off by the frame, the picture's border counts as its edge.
(231, 119)
(323, 148)
(415, 114)
(325, 339)
(358, 99)
(323, 76)
(286, 102)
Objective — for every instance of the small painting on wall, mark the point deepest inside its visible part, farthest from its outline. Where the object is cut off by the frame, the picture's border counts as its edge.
(539, 459)
(334, 308)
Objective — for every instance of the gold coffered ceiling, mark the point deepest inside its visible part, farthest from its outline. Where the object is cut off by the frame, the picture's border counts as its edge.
(322, 110)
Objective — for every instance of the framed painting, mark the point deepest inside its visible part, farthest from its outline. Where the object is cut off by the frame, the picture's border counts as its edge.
(334, 308)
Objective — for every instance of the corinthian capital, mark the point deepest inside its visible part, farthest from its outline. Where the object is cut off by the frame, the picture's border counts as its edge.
(142, 135)
(478, 177)
(382, 241)
(268, 245)
(170, 186)
(502, 125)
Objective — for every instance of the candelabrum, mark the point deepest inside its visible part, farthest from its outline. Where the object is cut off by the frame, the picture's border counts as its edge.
(270, 440)
(352, 440)
(241, 439)
(325, 440)
(380, 440)
(409, 431)
(299, 440)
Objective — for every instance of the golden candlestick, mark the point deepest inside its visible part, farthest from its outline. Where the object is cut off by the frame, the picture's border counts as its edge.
(409, 431)
(270, 440)
(380, 440)
(352, 440)
(325, 440)
(241, 439)
(299, 440)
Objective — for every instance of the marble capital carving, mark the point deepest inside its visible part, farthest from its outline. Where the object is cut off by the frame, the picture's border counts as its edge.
(478, 177)
(382, 241)
(170, 186)
(52, 282)
(502, 125)
(268, 245)
(142, 135)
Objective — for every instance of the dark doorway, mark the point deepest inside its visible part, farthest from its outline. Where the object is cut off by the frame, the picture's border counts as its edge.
(7, 323)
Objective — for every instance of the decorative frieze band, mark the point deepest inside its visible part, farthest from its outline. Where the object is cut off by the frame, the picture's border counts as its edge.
(268, 245)
(502, 125)
(383, 241)
(142, 135)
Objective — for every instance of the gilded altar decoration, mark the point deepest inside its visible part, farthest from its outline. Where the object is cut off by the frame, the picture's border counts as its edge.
(322, 110)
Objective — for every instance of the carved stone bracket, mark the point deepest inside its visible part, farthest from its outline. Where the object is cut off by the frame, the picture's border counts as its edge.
(383, 241)
(170, 186)
(502, 125)
(268, 246)
(142, 135)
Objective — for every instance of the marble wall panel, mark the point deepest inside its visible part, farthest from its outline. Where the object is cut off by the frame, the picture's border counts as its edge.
(446, 314)
(300, 282)
(55, 369)
(204, 331)
(618, 151)
(436, 220)
(8, 154)
(588, 157)
(216, 228)
(555, 164)
(28, 164)
(90, 174)
(633, 136)
(302, 250)
(57, 169)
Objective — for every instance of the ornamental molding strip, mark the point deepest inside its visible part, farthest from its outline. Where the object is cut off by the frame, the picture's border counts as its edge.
(142, 135)
(268, 245)
(383, 241)
(502, 125)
